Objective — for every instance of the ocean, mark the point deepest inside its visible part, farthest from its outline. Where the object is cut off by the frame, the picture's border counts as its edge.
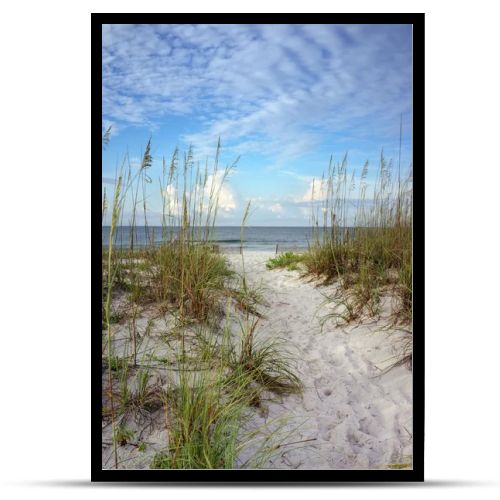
(227, 237)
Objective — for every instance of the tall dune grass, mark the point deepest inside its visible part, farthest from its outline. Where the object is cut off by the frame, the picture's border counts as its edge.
(219, 375)
(363, 237)
(208, 407)
(183, 270)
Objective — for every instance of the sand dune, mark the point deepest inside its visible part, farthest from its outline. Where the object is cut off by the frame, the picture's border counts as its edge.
(351, 414)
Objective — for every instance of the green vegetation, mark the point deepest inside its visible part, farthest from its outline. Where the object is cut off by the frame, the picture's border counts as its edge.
(122, 435)
(208, 406)
(182, 363)
(365, 245)
(268, 363)
(195, 375)
(289, 260)
(205, 413)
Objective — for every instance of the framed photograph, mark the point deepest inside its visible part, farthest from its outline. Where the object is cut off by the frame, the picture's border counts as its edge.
(259, 268)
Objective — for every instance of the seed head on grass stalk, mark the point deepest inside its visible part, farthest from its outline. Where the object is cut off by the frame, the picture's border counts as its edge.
(106, 137)
(114, 219)
(204, 411)
(375, 256)
(146, 162)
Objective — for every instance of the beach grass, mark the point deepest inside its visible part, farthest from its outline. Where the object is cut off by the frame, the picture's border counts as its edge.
(289, 260)
(207, 378)
(363, 243)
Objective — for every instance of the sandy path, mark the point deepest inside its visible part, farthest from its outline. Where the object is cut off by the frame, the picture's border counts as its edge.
(355, 415)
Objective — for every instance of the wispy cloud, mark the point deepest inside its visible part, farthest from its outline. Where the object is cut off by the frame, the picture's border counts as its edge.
(284, 97)
(273, 89)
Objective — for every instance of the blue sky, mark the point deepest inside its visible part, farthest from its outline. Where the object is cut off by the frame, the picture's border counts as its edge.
(281, 97)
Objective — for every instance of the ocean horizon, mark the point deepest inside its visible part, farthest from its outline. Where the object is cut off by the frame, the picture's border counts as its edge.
(227, 237)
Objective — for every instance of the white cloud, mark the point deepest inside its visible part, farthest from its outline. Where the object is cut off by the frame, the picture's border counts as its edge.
(276, 208)
(215, 187)
(283, 85)
(226, 196)
(171, 199)
(316, 191)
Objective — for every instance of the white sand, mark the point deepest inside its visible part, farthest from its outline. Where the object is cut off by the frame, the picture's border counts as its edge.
(357, 415)
(351, 413)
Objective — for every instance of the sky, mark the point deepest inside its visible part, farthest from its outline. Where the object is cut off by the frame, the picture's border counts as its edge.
(283, 99)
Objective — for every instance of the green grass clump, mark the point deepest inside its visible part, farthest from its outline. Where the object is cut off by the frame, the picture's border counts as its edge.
(122, 435)
(192, 277)
(267, 362)
(209, 405)
(184, 270)
(115, 363)
(206, 412)
(270, 366)
(286, 259)
(212, 379)
(364, 243)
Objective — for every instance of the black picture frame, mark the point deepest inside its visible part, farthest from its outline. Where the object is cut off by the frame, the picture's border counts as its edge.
(260, 476)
